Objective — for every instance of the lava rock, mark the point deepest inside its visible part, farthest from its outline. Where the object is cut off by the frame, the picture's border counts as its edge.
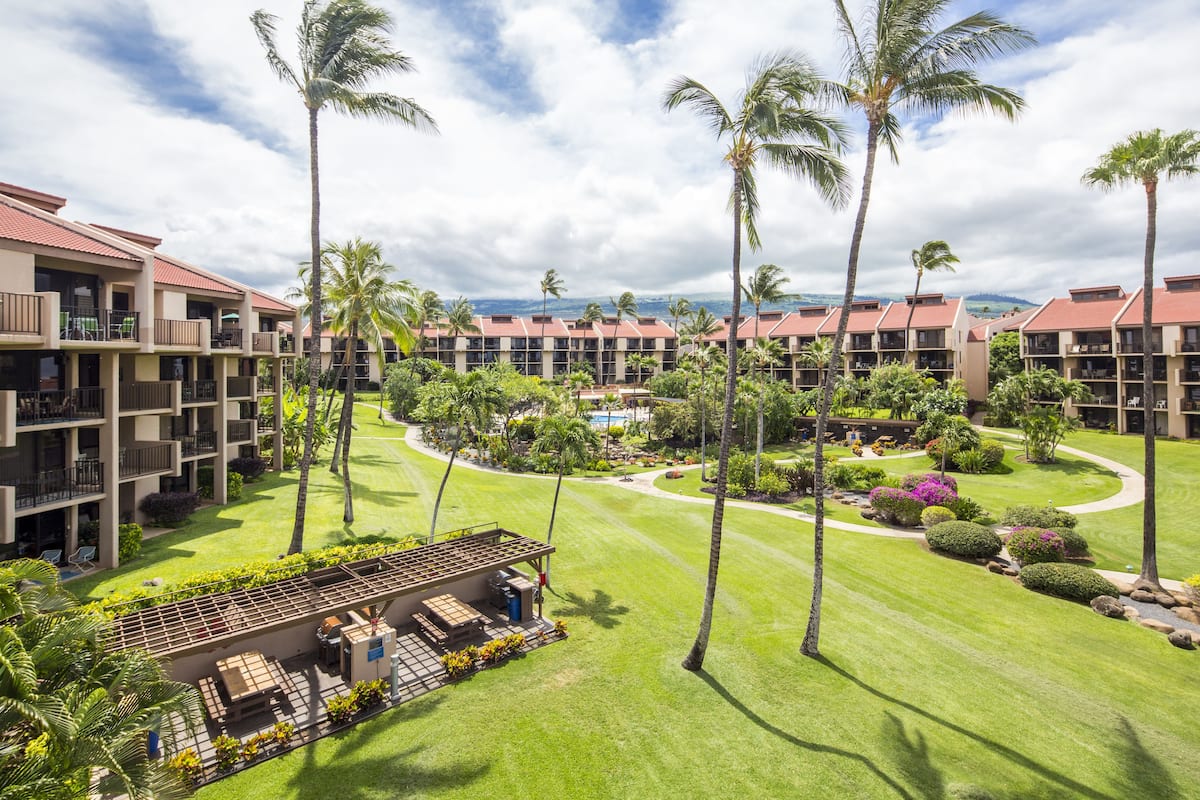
(1108, 606)
(1188, 614)
(1157, 625)
(996, 567)
(1142, 596)
(1012, 572)
(1130, 612)
(1124, 588)
(1181, 639)
(1165, 599)
(1182, 599)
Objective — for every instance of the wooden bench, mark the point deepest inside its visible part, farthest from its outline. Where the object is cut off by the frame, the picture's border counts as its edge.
(430, 629)
(217, 710)
(286, 686)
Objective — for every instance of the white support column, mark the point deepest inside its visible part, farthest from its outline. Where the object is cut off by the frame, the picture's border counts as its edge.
(110, 460)
(277, 450)
(220, 424)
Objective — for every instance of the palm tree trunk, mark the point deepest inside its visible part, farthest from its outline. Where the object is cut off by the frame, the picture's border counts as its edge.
(703, 477)
(346, 428)
(542, 366)
(1149, 573)
(314, 342)
(695, 657)
(759, 444)
(562, 465)
(812, 634)
(908, 322)
(449, 465)
(347, 410)
(607, 431)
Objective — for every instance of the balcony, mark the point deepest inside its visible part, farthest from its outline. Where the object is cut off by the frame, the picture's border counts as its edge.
(200, 443)
(1187, 376)
(891, 341)
(263, 342)
(145, 458)
(177, 333)
(227, 339)
(1159, 376)
(931, 340)
(1099, 400)
(241, 386)
(20, 314)
(148, 396)
(78, 324)
(1092, 374)
(57, 485)
(266, 423)
(56, 405)
(239, 430)
(1094, 349)
(1189, 406)
(1135, 347)
(935, 364)
(266, 384)
(859, 343)
(1189, 347)
(199, 391)
(287, 344)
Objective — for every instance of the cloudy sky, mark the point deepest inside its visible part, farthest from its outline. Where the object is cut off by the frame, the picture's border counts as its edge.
(162, 117)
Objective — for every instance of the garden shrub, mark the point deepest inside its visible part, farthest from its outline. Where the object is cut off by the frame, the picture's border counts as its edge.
(368, 694)
(932, 493)
(129, 541)
(1036, 545)
(854, 477)
(233, 485)
(169, 508)
(992, 452)
(1038, 517)
(339, 708)
(600, 465)
(741, 468)
(897, 506)
(935, 515)
(733, 489)
(1068, 581)
(966, 539)
(227, 749)
(915, 479)
(249, 467)
(966, 509)
(616, 431)
(525, 429)
(204, 482)
(187, 766)
(969, 461)
(799, 476)
(772, 485)
(1077, 546)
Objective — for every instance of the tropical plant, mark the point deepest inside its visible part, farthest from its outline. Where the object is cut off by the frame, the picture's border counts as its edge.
(702, 325)
(460, 318)
(426, 309)
(771, 121)
(552, 284)
(900, 58)
(1036, 400)
(897, 388)
(933, 256)
(703, 358)
(570, 441)
(764, 354)
(1004, 356)
(819, 354)
(1145, 158)
(625, 305)
(641, 363)
(678, 309)
(343, 46)
(765, 286)
(592, 313)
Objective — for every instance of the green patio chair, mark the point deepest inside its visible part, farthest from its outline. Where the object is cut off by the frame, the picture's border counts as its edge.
(90, 327)
(126, 331)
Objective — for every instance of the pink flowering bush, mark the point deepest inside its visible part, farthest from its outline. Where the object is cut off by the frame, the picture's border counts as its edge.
(897, 506)
(932, 493)
(915, 479)
(1036, 546)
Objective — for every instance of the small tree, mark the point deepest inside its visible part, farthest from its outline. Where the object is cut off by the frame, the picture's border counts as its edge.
(570, 441)
(1036, 400)
(1004, 356)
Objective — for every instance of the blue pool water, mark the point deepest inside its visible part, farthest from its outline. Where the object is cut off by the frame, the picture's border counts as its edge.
(602, 418)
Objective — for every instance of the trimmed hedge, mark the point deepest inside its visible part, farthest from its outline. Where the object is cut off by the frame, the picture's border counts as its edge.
(129, 541)
(1077, 546)
(1037, 517)
(966, 539)
(1068, 581)
(169, 508)
(935, 515)
(1035, 545)
(250, 468)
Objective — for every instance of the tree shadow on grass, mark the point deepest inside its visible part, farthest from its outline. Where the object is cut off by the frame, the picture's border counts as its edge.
(1139, 773)
(1075, 788)
(911, 755)
(599, 609)
(804, 744)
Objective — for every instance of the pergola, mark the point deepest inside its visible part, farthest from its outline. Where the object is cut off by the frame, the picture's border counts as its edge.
(199, 624)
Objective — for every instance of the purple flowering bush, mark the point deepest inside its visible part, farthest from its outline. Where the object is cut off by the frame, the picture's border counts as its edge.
(913, 480)
(897, 506)
(1036, 546)
(932, 493)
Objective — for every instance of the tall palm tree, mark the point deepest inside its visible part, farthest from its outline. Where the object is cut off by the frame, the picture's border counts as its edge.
(678, 309)
(703, 358)
(702, 325)
(552, 283)
(366, 303)
(900, 59)
(765, 286)
(641, 363)
(610, 403)
(426, 309)
(1144, 158)
(625, 305)
(818, 353)
(771, 121)
(933, 256)
(460, 318)
(592, 312)
(764, 354)
(571, 441)
(343, 46)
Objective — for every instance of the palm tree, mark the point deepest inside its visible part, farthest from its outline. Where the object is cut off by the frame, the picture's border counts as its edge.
(678, 309)
(460, 318)
(343, 46)
(610, 403)
(592, 313)
(702, 325)
(765, 286)
(765, 353)
(818, 353)
(641, 363)
(770, 121)
(625, 305)
(571, 440)
(367, 304)
(703, 358)
(553, 284)
(1143, 158)
(427, 308)
(901, 59)
(464, 402)
(933, 256)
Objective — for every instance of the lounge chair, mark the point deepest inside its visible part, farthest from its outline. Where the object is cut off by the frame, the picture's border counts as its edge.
(53, 556)
(84, 558)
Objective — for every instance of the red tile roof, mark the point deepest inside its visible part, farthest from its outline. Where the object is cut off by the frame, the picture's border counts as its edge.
(932, 311)
(266, 302)
(802, 322)
(19, 225)
(46, 202)
(502, 325)
(652, 327)
(588, 331)
(1069, 314)
(145, 240)
(1173, 307)
(171, 273)
(864, 317)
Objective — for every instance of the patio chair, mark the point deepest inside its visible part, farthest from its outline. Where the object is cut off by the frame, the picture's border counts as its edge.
(64, 324)
(90, 327)
(53, 556)
(125, 329)
(84, 558)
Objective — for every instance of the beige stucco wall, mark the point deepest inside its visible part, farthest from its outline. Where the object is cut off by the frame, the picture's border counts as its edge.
(17, 271)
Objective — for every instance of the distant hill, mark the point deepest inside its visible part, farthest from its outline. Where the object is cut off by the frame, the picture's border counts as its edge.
(656, 305)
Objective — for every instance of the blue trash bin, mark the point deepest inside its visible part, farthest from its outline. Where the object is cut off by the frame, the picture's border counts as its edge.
(514, 606)
(152, 744)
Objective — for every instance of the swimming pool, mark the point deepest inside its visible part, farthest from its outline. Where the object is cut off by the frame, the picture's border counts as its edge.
(602, 418)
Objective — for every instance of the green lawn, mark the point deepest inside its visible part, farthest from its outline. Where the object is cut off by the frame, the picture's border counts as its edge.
(936, 674)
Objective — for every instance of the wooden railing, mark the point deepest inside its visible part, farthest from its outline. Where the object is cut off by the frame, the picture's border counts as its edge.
(20, 313)
(146, 395)
(199, 391)
(240, 385)
(262, 342)
(54, 405)
(177, 332)
(239, 430)
(144, 459)
(227, 339)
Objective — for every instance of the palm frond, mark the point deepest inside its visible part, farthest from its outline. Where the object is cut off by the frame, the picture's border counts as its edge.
(264, 29)
(817, 165)
(684, 91)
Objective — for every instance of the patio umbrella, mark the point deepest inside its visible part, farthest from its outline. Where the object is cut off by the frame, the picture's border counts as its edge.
(230, 315)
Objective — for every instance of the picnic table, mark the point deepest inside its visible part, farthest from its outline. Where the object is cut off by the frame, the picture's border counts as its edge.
(250, 682)
(451, 617)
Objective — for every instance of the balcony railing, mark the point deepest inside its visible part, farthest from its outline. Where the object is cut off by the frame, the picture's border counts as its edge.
(1041, 350)
(266, 384)
(266, 423)
(1189, 406)
(1091, 349)
(57, 485)
(1189, 347)
(20, 313)
(934, 364)
(227, 339)
(145, 459)
(97, 325)
(891, 342)
(177, 332)
(287, 343)
(57, 405)
(1094, 374)
(262, 342)
(931, 342)
(1159, 375)
(1134, 348)
(240, 385)
(199, 391)
(1189, 376)
(239, 430)
(197, 444)
(146, 395)
(860, 343)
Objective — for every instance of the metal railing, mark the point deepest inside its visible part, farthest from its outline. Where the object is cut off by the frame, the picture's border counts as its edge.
(197, 444)
(287, 343)
(145, 459)
(266, 384)
(227, 339)
(239, 430)
(1135, 347)
(56, 485)
(266, 423)
(891, 342)
(145, 395)
(199, 391)
(20, 313)
(97, 325)
(262, 342)
(177, 332)
(240, 385)
(59, 405)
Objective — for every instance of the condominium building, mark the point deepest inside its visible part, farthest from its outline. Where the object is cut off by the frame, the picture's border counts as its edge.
(123, 371)
(1095, 336)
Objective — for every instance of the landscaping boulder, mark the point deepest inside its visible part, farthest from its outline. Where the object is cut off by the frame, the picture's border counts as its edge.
(869, 513)
(1165, 600)
(996, 567)
(1188, 614)
(1108, 606)
(1124, 588)
(1157, 625)
(1182, 599)
(1130, 612)
(1011, 571)
(1142, 596)
(1181, 639)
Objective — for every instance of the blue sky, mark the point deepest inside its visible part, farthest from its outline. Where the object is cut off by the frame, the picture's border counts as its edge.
(163, 117)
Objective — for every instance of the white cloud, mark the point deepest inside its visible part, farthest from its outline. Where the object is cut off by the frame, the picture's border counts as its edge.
(595, 180)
